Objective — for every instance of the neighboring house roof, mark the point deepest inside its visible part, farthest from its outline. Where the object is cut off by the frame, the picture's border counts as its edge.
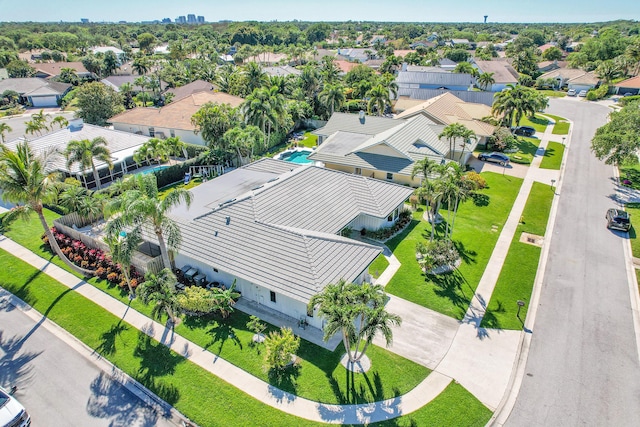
(105, 49)
(502, 71)
(572, 75)
(283, 70)
(355, 54)
(551, 65)
(402, 52)
(177, 114)
(434, 79)
(120, 144)
(478, 97)
(447, 109)
(632, 83)
(52, 69)
(268, 58)
(426, 69)
(347, 122)
(460, 41)
(411, 140)
(34, 86)
(283, 234)
(546, 46)
(446, 62)
(115, 82)
(346, 66)
(191, 88)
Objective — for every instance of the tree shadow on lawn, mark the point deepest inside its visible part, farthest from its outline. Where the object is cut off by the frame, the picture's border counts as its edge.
(480, 200)
(285, 379)
(156, 360)
(450, 286)
(489, 320)
(219, 329)
(549, 152)
(108, 339)
(359, 388)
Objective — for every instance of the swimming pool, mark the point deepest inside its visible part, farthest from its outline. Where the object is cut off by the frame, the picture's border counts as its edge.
(299, 156)
(152, 170)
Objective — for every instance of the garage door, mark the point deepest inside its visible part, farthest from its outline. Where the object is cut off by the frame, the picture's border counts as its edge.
(44, 101)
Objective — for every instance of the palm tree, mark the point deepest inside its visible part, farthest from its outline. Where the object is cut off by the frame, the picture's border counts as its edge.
(516, 101)
(85, 151)
(451, 132)
(141, 65)
(378, 99)
(456, 189)
(255, 76)
(263, 108)
(143, 204)
(38, 123)
(332, 97)
(358, 312)
(122, 246)
(243, 141)
(485, 80)
(225, 299)
(154, 148)
(24, 180)
(4, 130)
(329, 70)
(61, 121)
(159, 290)
(126, 89)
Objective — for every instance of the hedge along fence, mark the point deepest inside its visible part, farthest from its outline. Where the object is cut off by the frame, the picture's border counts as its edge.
(175, 173)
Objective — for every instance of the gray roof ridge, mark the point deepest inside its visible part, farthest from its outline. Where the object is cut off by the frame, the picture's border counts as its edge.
(373, 195)
(381, 137)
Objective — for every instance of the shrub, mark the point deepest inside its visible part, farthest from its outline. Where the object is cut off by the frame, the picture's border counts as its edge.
(479, 181)
(413, 199)
(196, 301)
(279, 347)
(438, 253)
(113, 277)
(385, 233)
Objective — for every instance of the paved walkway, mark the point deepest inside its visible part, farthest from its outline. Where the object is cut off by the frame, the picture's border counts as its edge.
(480, 359)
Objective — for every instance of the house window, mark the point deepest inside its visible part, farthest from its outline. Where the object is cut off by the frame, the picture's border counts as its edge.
(172, 133)
(390, 217)
(272, 296)
(152, 132)
(215, 270)
(389, 176)
(358, 171)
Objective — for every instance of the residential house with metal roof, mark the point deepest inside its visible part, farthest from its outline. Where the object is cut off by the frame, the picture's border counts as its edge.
(434, 80)
(573, 78)
(173, 119)
(274, 228)
(121, 145)
(35, 91)
(409, 97)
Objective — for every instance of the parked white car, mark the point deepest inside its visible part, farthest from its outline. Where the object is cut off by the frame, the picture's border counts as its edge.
(571, 92)
(12, 413)
(582, 93)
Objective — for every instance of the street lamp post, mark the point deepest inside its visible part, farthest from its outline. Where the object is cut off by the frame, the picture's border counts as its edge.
(520, 305)
(563, 138)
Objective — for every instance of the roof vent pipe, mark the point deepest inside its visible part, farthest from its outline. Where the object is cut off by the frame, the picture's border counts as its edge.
(228, 220)
(361, 116)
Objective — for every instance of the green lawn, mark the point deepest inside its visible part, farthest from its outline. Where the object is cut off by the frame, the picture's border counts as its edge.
(527, 148)
(553, 93)
(561, 126)
(634, 210)
(538, 122)
(320, 376)
(477, 227)
(552, 156)
(521, 264)
(309, 140)
(630, 173)
(201, 396)
(378, 266)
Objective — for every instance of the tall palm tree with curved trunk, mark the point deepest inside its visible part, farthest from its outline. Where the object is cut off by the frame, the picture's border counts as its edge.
(332, 97)
(84, 151)
(456, 189)
(358, 312)
(452, 132)
(159, 290)
(25, 180)
(517, 101)
(378, 99)
(143, 205)
(4, 130)
(122, 246)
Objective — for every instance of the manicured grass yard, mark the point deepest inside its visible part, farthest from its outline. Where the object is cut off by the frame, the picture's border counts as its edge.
(521, 264)
(477, 228)
(552, 156)
(634, 210)
(378, 266)
(309, 140)
(527, 148)
(562, 125)
(631, 173)
(538, 122)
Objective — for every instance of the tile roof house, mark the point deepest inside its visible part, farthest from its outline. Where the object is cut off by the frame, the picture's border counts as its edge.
(269, 58)
(282, 70)
(191, 88)
(173, 119)
(274, 228)
(47, 70)
(503, 73)
(573, 78)
(384, 148)
(631, 86)
(36, 91)
(121, 145)
(115, 82)
(546, 66)
(447, 109)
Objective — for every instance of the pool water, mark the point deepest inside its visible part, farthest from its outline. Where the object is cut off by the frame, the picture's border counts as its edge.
(156, 169)
(297, 157)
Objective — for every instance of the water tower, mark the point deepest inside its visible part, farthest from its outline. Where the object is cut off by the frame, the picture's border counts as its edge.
(485, 18)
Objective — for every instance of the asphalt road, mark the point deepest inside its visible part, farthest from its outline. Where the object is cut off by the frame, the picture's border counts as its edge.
(57, 385)
(583, 366)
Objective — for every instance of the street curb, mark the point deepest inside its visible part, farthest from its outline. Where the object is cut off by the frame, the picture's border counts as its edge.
(163, 408)
(503, 411)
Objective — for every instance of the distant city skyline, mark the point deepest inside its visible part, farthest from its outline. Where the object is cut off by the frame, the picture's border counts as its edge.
(498, 11)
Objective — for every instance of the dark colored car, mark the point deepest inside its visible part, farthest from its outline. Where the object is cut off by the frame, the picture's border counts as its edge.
(495, 157)
(525, 131)
(618, 219)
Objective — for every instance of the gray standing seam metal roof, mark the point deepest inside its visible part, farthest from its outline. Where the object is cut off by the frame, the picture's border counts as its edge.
(282, 235)
(346, 122)
(24, 86)
(430, 78)
(477, 97)
(117, 141)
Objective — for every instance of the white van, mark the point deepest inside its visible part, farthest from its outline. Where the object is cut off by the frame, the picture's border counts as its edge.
(12, 413)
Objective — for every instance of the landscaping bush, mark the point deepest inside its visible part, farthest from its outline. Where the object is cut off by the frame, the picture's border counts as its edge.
(196, 301)
(627, 99)
(385, 233)
(479, 181)
(438, 253)
(174, 173)
(194, 150)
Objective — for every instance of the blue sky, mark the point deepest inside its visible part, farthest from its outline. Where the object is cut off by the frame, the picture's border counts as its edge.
(327, 10)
